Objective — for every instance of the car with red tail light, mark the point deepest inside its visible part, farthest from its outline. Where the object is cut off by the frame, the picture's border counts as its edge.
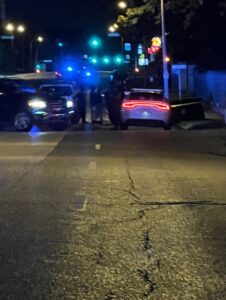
(145, 107)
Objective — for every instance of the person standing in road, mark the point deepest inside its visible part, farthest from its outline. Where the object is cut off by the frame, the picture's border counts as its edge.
(96, 106)
(81, 100)
(114, 100)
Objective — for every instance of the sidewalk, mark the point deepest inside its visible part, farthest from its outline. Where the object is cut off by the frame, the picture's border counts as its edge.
(214, 119)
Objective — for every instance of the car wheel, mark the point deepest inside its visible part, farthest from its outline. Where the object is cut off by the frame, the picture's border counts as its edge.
(23, 122)
(124, 126)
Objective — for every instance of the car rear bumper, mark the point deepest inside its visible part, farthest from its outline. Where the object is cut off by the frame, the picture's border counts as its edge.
(145, 116)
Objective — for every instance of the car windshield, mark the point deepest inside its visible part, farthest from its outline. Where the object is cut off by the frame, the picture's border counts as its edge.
(145, 96)
(60, 90)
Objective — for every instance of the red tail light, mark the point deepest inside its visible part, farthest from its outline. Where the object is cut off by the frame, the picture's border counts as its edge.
(154, 104)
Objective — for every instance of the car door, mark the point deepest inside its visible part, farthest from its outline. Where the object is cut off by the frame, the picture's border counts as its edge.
(4, 105)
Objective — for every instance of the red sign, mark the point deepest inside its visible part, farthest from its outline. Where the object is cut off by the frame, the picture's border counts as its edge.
(153, 50)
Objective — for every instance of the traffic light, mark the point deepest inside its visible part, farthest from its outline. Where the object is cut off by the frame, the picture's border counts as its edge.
(94, 60)
(95, 42)
(118, 59)
(60, 44)
(38, 68)
(106, 60)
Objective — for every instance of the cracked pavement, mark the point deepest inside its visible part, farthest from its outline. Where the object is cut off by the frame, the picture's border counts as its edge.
(113, 215)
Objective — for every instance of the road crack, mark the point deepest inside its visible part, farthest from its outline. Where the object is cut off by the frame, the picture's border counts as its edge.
(151, 285)
(133, 190)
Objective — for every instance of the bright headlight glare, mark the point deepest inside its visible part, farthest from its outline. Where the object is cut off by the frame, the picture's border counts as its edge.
(70, 104)
(37, 104)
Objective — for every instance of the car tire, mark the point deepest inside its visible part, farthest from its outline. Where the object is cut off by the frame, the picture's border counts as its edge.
(124, 126)
(23, 122)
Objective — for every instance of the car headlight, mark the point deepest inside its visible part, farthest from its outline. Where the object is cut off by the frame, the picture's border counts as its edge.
(70, 104)
(37, 104)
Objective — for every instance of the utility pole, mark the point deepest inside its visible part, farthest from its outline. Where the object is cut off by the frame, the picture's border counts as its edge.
(2, 10)
(164, 53)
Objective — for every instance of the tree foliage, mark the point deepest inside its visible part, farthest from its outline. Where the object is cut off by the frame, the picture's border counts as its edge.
(152, 7)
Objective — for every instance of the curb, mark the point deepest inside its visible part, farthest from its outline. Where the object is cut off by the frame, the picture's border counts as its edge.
(204, 124)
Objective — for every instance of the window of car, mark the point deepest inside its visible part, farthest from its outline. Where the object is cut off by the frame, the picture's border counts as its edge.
(60, 90)
(145, 96)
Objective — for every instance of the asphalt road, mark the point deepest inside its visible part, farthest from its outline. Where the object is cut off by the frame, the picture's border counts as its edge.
(100, 214)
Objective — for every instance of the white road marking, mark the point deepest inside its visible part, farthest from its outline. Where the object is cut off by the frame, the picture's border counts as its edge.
(98, 147)
(111, 181)
(92, 165)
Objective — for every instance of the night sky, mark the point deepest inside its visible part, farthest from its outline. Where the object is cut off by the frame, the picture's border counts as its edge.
(64, 17)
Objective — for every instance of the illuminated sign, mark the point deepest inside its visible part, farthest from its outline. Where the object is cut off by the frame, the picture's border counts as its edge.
(156, 42)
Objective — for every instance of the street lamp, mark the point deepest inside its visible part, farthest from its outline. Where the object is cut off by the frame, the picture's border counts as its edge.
(122, 4)
(35, 57)
(164, 53)
(112, 29)
(10, 27)
(21, 29)
(40, 39)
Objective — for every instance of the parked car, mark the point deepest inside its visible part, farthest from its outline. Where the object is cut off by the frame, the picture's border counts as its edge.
(23, 109)
(145, 106)
(66, 91)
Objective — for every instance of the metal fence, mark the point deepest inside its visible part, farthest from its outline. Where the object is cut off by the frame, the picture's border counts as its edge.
(211, 87)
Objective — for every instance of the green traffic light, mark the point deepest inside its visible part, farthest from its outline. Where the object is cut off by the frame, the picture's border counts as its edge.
(106, 60)
(95, 42)
(118, 59)
(60, 44)
(94, 60)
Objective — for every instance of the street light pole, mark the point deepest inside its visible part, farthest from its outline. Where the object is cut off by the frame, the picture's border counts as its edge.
(2, 10)
(164, 53)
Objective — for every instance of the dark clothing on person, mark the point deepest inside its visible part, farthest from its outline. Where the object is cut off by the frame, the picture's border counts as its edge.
(81, 100)
(96, 106)
(114, 101)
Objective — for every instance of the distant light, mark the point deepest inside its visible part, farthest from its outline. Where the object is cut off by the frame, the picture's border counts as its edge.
(106, 60)
(122, 5)
(94, 60)
(60, 44)
(21, 28)
(38, 66)
(156, 41)
(40, 39)
(88, 74)
(70, 69)
(137, 70)
(167, 59)
(95, 42)
(118, 59)
(38, 71)
(116, 26)
(10, 27)
(112, 29)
